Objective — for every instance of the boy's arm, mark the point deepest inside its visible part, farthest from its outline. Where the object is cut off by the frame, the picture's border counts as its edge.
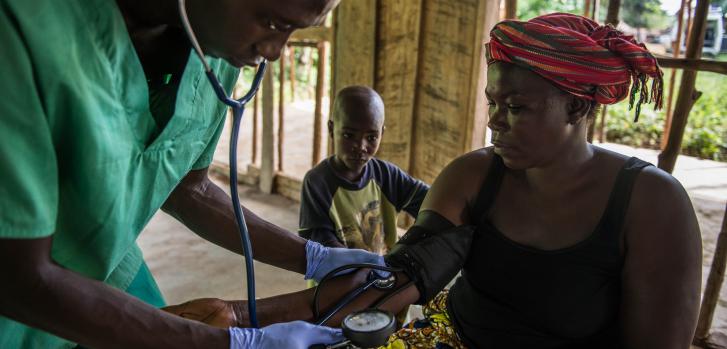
(315, 203)
(408, 192)
(325, 237)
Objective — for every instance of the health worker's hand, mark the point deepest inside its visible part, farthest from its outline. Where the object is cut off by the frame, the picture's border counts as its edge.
(293, 335)
(212, 311)
(321, 260)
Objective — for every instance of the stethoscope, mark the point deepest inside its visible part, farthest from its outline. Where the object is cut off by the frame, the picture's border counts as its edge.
(364, 329)
(238, 108)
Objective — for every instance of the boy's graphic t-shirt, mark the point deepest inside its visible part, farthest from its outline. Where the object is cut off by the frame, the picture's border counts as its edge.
(358, 214)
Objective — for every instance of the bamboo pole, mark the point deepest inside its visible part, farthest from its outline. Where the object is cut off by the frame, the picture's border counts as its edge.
(602, 125)
(614, 6)
(591, 130)
(587, 8)
(714, 284)
(255, 115)
(706, 65)
(672, 79)
(511, 9)
(267, 163)
(281, 106)
(687, 95)
(292, 73)
(320, 94)
(690, 19)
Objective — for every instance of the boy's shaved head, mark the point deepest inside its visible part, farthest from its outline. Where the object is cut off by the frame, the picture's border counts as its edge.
(355, 126)
(358, 102)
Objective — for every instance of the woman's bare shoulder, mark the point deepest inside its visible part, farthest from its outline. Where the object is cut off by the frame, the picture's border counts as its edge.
(660, 216)
(458, 184)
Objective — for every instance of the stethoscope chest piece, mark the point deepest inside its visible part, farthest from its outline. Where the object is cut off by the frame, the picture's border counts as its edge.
(369, 328)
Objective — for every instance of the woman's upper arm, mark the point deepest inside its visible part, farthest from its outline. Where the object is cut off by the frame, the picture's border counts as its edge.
(662, 267)
(457, 185)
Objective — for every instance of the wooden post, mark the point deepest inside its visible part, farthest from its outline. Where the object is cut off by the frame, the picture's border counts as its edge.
(591, 130)
(267, 170)
(602, 125)
(614, 6)
(714, 283)
(596, 6)
(281, 106)
(292, 73)
(255, 116)
(687, 95)
(690, 19)
(672, 79)
(511, 9)
(587, 8)
(320, 93)
(703, 65)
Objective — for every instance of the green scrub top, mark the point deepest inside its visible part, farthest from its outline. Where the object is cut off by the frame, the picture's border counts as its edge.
(81, 155)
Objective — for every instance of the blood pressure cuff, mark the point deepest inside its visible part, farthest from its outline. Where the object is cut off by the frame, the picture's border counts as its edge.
(431, 253)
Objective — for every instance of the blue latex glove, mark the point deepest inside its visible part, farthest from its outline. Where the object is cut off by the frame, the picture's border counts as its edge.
(293, 335)
(321, 260)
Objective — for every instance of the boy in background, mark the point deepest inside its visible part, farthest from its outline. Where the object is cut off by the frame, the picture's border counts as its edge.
(351, 199)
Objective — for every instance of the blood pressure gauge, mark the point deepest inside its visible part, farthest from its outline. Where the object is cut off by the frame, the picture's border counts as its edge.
(368, 328)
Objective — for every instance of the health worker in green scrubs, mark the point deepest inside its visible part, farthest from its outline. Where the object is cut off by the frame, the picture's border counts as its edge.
(107, 116)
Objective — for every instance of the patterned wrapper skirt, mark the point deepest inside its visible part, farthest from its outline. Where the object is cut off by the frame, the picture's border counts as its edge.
(434, 331)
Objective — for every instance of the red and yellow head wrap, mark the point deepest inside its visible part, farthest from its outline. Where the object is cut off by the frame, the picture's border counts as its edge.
(581, 57)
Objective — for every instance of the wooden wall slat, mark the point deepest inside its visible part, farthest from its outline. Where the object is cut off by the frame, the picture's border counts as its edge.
(354, 44)
(443, 110)
(399, 25)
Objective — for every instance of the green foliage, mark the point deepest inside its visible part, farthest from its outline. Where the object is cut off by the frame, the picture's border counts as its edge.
(533, 8)
(644, 14)
(705, 135)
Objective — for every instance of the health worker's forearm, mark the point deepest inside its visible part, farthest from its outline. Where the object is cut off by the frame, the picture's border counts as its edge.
(206, 209)
(88, 312)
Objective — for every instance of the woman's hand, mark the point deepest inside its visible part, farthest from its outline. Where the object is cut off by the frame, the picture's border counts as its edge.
(211, 311)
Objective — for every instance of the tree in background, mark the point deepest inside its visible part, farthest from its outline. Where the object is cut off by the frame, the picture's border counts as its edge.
(636, 13)
(528, 9)
(644, 14)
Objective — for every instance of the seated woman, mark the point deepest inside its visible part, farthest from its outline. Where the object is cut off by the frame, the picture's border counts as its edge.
(574, 246)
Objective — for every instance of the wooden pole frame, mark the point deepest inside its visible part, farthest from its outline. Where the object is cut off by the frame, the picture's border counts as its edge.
(281, 105)
(704, 65)
(687, 94)
(614, 6)
(267, 163)
(320, 94)
(511, 9)
(255, 116)
(672, 79)
(291, 55)
(714, 284)
(588, 8)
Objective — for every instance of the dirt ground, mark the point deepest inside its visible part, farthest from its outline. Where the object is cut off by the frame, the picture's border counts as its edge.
(188, 267)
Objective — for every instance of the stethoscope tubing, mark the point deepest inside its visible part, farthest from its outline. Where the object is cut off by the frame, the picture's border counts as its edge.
(238, 108)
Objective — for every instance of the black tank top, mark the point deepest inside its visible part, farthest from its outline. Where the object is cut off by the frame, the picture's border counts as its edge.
(514, 296)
